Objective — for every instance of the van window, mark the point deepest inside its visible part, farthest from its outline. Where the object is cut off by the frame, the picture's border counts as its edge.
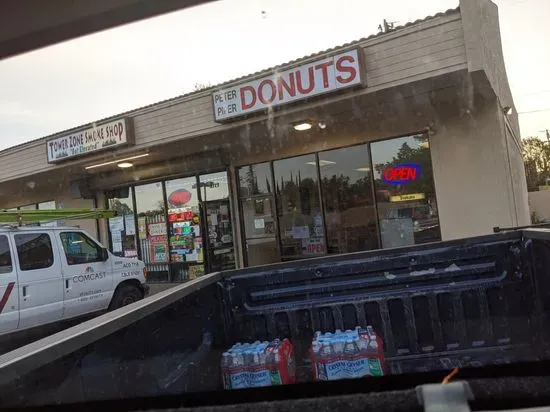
(34, 250)
(5, 255)
(79, 248)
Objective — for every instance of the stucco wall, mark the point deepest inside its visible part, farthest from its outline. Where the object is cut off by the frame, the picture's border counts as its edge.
(484, 49)
(473, 177)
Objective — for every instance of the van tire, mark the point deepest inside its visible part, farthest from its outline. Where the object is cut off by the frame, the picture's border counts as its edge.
(125, 294)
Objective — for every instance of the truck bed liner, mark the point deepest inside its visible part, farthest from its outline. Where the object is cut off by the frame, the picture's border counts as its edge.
(467, 302)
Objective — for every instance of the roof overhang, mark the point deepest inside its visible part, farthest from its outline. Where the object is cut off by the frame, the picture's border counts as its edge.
(27, 25)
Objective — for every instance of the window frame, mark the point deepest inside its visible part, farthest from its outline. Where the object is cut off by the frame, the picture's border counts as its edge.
(10, 254)
(86, 237)
(19, 260)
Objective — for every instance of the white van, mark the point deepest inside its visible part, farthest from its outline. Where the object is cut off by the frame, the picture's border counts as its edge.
(52, 274)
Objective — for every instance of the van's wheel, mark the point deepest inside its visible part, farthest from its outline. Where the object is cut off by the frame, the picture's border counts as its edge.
(125, 295)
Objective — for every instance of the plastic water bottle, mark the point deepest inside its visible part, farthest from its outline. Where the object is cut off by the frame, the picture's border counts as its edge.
(326, 354)
(350, 350)
(227, 363)
(338, 345)
(373, 344)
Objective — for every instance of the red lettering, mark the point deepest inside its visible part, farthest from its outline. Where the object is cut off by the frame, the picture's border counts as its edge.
(402, 173)
(324, 70)
(350, 70)
(300, 85)
(388, 174)
(250, 89)
(290, 88)
(261, 91)
(411, 175)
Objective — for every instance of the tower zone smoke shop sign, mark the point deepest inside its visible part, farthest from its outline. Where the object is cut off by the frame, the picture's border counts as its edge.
(93, 139)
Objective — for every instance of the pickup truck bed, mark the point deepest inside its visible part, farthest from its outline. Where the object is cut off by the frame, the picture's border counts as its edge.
(469, 302)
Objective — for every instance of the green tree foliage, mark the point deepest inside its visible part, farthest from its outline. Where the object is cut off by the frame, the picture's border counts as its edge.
(121, 208)
(536, 156)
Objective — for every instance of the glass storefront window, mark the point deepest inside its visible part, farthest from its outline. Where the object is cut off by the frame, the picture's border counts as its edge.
(152, 233)
(186, 246)
(255, 179)
(28, 207)
(301, 225)
(47, 205)
(405, 191)
(348, 198)
(122, 228)
(214, 186)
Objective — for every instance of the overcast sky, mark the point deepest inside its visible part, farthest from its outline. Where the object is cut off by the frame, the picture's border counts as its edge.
(100, 75)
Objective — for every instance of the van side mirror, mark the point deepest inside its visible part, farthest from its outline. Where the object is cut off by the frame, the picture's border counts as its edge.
(104, 254)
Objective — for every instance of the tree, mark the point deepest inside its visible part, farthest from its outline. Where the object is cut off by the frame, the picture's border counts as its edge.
(121, 208)
(536, 152)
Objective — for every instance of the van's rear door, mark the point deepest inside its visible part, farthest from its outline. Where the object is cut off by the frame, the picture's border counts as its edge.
(9, 298)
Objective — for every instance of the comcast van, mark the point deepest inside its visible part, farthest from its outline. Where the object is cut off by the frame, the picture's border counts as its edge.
(51, 274)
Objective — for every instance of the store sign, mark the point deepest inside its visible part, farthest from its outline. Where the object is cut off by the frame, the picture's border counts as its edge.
(400, 174)
(405, 198)
(94, 139)
(326, 75)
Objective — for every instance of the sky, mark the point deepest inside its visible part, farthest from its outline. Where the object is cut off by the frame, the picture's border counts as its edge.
(100, 75)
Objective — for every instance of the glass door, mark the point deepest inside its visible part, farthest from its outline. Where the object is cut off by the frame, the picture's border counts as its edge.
(151, 228)
(258, 212)
(260, 231)
(185, 237)
(220, 244)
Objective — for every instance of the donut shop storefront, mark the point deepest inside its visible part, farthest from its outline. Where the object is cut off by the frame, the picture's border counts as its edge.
(394, 140)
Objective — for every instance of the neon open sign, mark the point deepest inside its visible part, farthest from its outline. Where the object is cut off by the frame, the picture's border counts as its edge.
(400, 174)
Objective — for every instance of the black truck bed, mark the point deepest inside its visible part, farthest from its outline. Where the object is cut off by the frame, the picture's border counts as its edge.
(469, 302)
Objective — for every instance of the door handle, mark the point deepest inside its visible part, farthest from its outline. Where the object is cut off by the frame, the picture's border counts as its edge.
(25, 291)
(66, 283)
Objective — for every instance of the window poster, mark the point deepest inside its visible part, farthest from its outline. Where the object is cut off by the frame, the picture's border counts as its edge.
(159, 248)
(142, 227)
(130, 225)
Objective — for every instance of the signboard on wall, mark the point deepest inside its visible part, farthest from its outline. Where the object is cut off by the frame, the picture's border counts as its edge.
(322, 76)
(93, 139)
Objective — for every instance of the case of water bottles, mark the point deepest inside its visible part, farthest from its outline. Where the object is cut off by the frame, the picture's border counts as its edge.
(253, 365)
(347, 354)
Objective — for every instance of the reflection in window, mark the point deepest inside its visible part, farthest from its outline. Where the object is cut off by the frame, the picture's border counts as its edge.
(299, 208)
(79, 249)
(152, 230)
(214, 186)
(5, 255)
(349, 205)
(255, 179)
(34, 250)
(405, 191)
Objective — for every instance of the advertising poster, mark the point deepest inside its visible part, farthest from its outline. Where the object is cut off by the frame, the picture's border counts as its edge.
(116, 238)
(130, 225)
(116, 224)
(142, 227)
(159, 249)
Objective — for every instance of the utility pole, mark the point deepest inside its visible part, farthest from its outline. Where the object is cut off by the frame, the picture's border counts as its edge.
(547, 134)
